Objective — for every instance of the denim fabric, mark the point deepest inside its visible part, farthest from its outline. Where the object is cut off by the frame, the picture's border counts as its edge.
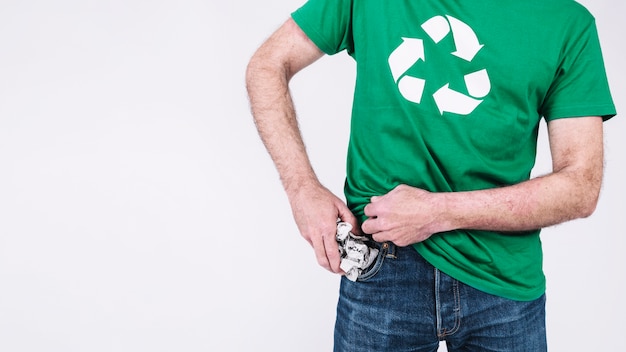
(402, 303)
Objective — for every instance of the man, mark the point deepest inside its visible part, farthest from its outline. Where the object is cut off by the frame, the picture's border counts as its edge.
(448, 100)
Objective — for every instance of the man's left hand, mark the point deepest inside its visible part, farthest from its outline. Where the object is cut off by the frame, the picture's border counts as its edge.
(404, 216)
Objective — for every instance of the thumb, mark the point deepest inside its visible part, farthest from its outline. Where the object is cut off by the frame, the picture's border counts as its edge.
(346, 216)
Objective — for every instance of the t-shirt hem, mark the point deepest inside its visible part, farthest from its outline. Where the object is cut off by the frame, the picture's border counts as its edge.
(605, 111)
(512, 294)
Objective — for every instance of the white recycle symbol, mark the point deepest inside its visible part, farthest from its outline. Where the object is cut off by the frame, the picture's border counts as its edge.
(467, 46)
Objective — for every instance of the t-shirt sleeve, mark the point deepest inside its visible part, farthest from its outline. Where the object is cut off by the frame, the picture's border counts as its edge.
(328, 23)
(580, 87)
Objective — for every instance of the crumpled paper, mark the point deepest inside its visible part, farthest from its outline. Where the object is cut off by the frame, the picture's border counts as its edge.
(356, 255)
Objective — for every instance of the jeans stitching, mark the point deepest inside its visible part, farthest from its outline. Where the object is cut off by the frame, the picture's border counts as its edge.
(442, 333)
(457, 308)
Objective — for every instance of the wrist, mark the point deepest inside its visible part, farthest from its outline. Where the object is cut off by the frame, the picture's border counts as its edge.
(302, 185)
(448, 218)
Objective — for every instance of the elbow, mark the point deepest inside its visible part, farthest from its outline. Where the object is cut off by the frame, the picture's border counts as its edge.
(252, 70)
(588, 202)
(587, 210)
(593, 186)
(584, 190)
(263, 67)
(258, 62)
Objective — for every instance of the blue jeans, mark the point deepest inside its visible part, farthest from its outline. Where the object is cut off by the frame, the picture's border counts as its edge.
(402, 303)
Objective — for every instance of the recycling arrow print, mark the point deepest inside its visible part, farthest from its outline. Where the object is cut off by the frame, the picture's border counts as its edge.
(400, 61)
(467, 44)
(448, 100)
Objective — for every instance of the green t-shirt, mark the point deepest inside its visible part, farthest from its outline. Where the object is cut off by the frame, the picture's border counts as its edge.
(449, 96)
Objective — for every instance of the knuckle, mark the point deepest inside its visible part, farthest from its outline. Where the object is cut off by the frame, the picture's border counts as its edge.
(383, 223)
(306, 235)
(329, 233)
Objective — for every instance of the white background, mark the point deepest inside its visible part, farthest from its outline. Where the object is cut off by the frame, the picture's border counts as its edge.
(140, 212)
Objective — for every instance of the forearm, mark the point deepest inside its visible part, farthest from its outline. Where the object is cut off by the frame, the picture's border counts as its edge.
(274, 116)
(315, 209)
(571, 191)
(267, 79)
(537, 203)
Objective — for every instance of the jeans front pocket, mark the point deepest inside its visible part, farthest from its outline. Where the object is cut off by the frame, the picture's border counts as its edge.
(372, 270)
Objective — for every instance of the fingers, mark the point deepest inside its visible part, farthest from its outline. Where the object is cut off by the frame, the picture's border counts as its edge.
(367, 226)
(377, 212)
(318, 225)
(326, 247)
(373, 208)
(320, 252)
(374, 225)
(332, 254)
(389, 236)
(327, 252)
(346, 216)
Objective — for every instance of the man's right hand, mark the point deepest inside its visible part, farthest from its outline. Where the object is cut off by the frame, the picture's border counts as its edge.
(316, 211)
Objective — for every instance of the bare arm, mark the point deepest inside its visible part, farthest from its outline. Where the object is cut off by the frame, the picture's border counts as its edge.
(315, 209)
(408, 215)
